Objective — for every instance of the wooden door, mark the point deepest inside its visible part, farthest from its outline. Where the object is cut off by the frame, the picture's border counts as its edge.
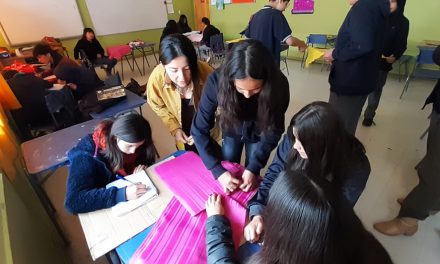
(201, 9)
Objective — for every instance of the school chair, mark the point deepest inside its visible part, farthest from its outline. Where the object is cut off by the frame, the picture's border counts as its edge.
(283, 58)
(218, 49)
(319, 41)
(63, 108)
(404, 61)
(424, 68)
(113, 80)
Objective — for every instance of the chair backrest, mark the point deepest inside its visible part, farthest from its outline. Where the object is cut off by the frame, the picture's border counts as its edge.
(425, 56)
(113, 80)
(62, 103)
(217, 44)
(317, 39)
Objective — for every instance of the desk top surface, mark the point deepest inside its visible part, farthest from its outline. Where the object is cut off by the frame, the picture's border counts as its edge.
(49, 151)
(130, 102)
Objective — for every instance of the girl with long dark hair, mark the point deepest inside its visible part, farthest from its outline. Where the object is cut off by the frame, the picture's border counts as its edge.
(307, 223)
(89, 46)
(182, 24)
(175, 87)
(120, 147)
(318, 143)
(249, 95)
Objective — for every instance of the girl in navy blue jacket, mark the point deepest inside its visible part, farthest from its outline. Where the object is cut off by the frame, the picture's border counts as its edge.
(119, 147)
(250, 95)
(316, 142)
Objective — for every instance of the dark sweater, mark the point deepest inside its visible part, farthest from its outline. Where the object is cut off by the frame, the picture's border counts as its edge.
(363, 248)
(247, 129)
(396, 35)
(359, 46)
(183, 28)
(88, 176)
(434, 97)
(30, 92)
(91, 49)
(358, 172)
(208, 32)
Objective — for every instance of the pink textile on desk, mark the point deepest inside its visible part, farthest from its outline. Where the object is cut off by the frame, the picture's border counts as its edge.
(190, 181)
(195, 37)
(118, 51)
(177, 237)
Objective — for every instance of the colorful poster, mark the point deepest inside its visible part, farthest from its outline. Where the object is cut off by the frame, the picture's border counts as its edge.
(242, 1)
(303, 7)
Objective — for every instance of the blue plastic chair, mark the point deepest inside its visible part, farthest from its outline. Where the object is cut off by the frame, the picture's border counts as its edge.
(420, 71)
(317, 41)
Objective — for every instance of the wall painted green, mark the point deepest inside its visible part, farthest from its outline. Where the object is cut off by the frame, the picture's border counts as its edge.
(184, 6)
(328, 16)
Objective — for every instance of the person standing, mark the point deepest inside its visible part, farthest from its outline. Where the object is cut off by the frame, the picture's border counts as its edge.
(270, 27)
(425, 197)
(355, 59)
(396, 36)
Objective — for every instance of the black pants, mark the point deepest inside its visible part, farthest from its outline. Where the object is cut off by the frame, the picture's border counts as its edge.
(110, 63)
(349, 109)
(425, 197)
(374, 97)
(232, 149)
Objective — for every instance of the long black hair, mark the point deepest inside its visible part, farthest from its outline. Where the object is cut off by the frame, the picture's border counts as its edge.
(327, 144)
(176, 45)
(308, 222)
(131, 128)
(183, 20)
(249, 58)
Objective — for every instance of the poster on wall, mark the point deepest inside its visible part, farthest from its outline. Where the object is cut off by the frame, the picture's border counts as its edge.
(303, 7)
(242, 1)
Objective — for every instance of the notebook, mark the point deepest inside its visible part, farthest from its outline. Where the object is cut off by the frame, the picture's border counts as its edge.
(128, 206)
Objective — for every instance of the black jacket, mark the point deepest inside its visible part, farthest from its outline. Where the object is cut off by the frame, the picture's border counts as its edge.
(358, 172)
(208, 32)
(91, 48)
(396, 35)
(247, 130)
(359, 46)
(30, 92)
(220, 247)
(434, 97)
(183, 28)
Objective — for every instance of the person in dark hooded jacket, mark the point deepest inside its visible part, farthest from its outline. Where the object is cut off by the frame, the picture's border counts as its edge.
(425, 197)
(396, 36)
(170, 28)
(355, 58)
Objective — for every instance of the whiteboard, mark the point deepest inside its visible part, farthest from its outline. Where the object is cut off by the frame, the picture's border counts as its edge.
(28, 21)
(120, 16)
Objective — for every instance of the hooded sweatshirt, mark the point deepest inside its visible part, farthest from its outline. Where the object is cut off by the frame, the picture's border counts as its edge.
(359, 46)
(396, 35)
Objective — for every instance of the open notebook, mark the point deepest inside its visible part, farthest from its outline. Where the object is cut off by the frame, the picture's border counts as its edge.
(125, 207)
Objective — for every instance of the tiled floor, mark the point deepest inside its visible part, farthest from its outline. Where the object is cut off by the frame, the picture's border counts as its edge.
(393, 147)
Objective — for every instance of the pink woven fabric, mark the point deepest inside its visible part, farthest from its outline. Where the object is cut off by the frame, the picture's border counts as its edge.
(178, 237)
(190, 181)
(118, 51)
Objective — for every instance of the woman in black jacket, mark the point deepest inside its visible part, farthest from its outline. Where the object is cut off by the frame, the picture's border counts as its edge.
(316, 142)
(182, 25)
(170, 28)
(93, 50)
(308, 223)
(250, 95)
(425, 197)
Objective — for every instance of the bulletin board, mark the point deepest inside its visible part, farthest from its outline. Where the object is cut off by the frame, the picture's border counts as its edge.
(303, 7)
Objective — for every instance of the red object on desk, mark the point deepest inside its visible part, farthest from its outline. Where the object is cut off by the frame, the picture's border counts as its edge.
(118, 51)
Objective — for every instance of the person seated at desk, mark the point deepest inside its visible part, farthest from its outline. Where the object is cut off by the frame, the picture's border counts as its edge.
(318, 143)
(93, 50)
(170, 28)
(30, 92)
(175, 86)
(182, 25)
(116, 148)
(47, 56)
(208, 31)
(307, 223)
(78, 78)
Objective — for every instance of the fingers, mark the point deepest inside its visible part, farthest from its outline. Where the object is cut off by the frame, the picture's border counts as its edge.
(141, 189)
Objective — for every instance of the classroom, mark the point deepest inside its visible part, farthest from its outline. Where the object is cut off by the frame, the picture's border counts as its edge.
(219, 131)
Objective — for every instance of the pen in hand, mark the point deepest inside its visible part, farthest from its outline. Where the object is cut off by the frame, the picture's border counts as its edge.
(119, 177)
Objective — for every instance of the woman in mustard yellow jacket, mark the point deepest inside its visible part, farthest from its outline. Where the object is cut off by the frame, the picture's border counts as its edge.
(175, 86)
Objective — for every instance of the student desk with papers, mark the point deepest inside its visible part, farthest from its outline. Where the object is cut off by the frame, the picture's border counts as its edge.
(132, 101)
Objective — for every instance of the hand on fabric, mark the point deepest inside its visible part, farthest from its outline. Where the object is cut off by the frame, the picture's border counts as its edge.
(253, 231)
(328, 55)
(139, 168)
(391, 59)
(180, 136)
(214, 205)
(228, 182)
(135, 191)
(249, 181)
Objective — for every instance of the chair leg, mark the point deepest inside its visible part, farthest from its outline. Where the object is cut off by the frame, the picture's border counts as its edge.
(405, 87)
(287, 67)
